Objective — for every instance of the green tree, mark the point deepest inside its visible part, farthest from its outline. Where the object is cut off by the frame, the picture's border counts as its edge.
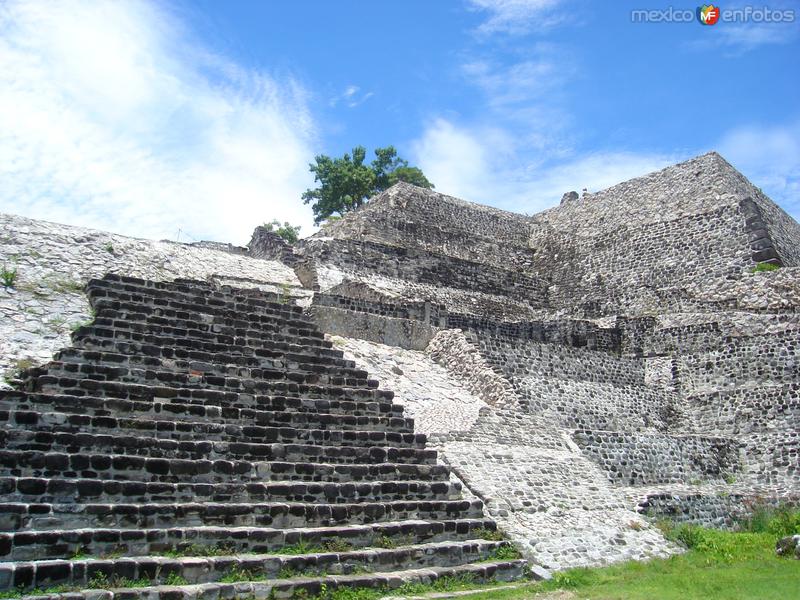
(288, 232)
(346, 183)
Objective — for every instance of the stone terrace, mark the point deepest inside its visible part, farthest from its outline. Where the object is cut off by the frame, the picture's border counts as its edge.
(611, 359)
(195, 432)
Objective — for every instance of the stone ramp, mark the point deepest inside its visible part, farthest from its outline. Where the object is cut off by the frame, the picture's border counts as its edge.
(212, 437)
(555, 504)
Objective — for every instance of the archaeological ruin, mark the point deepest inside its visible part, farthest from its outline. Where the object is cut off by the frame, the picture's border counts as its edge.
(425, 388)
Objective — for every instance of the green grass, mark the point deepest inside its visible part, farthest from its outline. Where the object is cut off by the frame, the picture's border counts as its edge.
(722, 565)
(765, 267)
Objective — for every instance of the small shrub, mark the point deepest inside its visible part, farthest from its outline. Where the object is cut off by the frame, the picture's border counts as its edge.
(636, 525)
(237, 574)
(285, 295)
(345, 593)
(301, 547)
(199, 550)
(175, 579)
(385, 542)
(337, 545)
(508, 552)
(765, 267)
(132, 583)
(109, 247)
(290, 233)
(778, 521)
(488, 534)
(8, 276)
(81, 554)
(66, 286)
(572, 578)
(98, 581)
(288, 573)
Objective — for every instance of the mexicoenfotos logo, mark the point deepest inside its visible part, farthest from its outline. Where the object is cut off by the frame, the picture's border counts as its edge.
(708, 14)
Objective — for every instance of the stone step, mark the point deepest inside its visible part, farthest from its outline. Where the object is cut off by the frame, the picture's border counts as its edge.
(284, 353)
(58, 543)
(143, 313)
(203, 429)
(373, 568)
(146, 312)
(96, 338)
(187, 338)
(227, 364)
(199, 298)
(264, 380)
(134, 445)
(280, 411)
(38, 490)
(83, 464)
(197, 327)
(74, 386)
(45, 516)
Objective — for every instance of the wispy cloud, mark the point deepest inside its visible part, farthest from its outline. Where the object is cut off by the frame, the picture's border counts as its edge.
(111, 116)
(516, 17)
(523, 81)
(770, 157)
(482, 165)
(351, 97)
(734, 38)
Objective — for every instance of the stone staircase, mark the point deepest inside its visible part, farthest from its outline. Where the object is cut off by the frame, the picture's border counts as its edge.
(204, 442)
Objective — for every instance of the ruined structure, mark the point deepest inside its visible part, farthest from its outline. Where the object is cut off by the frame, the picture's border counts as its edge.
(575, 374)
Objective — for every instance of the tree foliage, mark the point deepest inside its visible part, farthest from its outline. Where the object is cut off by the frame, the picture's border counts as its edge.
(289, 232)
(346, 183)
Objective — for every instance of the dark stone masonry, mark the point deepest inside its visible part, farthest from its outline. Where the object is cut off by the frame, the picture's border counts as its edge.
(566, 378)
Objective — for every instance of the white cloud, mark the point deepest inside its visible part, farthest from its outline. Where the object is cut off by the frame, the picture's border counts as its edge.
(508, 84)
(351, 97)
(485, 165)
(770, 158)
(111, 116)
(516, 17)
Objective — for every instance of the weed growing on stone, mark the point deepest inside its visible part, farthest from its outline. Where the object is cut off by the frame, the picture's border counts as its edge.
(99, 581)
(301, 547)
(109, 247)
(337, 545)
(290, 573)
(8, 276)
(175, 579)
(58, 323)
(198, 550)
(386, 542)
(65, 286)
(285, 294)
(765, 267)
(508, 552)
(779, 521)
(19, 593)
(238, 574)
(20, 366)
(488, 534)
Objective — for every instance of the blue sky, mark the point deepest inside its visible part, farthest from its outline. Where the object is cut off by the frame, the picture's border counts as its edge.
(149, 117)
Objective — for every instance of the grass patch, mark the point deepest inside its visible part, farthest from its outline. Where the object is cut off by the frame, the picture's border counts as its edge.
(8, 275)
(198, 550)
(508, 552)
(765, 267)
(491, 535)
(724, 565)
(64, 285)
